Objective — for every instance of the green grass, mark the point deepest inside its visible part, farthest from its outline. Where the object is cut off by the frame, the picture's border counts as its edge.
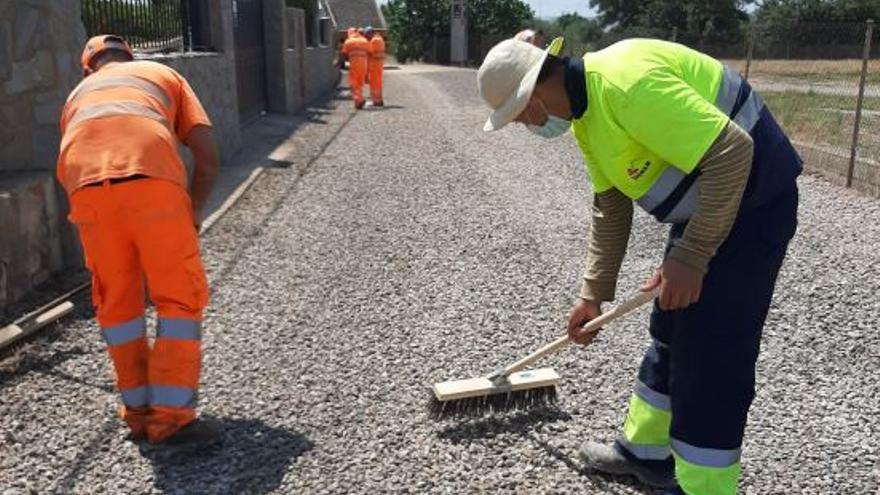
(814, 77)
(826, 120)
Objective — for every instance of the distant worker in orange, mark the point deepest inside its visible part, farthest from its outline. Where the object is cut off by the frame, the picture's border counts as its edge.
(136, 214)
(377, 63)
(356, 48)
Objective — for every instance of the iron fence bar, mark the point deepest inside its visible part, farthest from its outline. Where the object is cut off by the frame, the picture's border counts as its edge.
(866, 55)
(185, 28)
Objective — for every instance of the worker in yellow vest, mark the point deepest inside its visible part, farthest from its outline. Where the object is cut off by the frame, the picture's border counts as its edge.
(687, 139)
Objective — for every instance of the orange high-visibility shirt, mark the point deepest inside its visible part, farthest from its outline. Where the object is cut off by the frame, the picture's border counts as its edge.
(356, 47)
(377, 48)
(127, 119)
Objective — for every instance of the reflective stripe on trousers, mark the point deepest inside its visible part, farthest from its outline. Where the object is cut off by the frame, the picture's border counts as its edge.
(134, 331)
(673, 200)
(646, 437)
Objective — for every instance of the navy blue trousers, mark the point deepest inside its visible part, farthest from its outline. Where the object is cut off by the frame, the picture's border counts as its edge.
(704, 356)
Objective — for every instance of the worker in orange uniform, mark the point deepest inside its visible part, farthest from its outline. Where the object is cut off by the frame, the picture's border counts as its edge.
(137, 219)
(356, 49)
(377, 63)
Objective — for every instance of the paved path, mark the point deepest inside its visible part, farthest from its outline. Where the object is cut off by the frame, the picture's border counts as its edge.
(402, 247)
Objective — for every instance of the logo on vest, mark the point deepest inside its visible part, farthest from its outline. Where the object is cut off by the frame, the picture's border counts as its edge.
(637, 168)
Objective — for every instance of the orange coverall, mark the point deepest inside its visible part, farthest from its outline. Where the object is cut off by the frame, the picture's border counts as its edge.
(127, 186)
(357, 49)
(377, 62)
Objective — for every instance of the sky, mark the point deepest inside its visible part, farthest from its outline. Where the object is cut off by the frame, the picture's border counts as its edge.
(553, 8)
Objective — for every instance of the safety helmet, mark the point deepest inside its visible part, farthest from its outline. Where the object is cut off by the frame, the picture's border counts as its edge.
(100, 44)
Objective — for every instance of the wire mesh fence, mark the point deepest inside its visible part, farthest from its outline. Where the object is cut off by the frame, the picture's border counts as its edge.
(822, 83)
(810, 76)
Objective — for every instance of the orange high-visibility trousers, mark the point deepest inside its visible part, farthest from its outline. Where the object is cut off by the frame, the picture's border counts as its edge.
(130, 231)
(376, 79)
(357, 71)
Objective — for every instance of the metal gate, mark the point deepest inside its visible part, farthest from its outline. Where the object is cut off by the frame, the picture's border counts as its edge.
(250, 58)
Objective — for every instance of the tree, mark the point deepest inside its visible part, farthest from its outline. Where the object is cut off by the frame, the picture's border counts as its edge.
(415, 24)
(786, 21)
(504, 17)
(702, 20)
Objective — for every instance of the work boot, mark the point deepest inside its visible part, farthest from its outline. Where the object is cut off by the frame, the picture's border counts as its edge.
(609, 459)
(675, 490)
(198, 434)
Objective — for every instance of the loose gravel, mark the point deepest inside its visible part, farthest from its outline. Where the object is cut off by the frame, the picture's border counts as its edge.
(414, 249)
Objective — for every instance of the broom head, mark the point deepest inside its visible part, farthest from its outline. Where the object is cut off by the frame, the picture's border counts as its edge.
(476, 396)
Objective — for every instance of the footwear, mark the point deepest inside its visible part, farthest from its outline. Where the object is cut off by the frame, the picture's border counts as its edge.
(359, 105)
(675, 490)
(200, 433)
(136, 437)
(378, 103)
(608, 459)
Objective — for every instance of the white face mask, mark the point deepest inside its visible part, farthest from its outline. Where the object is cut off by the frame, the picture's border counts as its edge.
(552, 128)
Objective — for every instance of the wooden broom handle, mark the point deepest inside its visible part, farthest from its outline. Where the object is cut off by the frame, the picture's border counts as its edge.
(615, 312)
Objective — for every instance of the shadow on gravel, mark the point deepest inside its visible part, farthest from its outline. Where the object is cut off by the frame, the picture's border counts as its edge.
(523, 424)
(519, 423)
(384, 108)
(253, 459)
(608, 483)
(36, 362)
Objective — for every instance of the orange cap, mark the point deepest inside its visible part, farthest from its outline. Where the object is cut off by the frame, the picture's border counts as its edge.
(100, 44)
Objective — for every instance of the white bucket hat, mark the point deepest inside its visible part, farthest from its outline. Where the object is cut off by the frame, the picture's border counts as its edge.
(508, 76)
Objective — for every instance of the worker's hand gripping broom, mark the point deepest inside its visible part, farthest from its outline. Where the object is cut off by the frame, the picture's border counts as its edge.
(509, 388)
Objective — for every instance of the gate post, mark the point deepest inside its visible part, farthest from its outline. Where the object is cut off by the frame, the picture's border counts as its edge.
(866, 55)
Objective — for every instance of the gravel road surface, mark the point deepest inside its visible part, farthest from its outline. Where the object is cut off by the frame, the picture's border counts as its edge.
(399, 247)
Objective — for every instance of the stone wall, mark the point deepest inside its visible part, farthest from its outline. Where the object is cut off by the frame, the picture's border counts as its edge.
(39, 65)
(297, 73)
(294, 58)
(212, 77)
(320, 75)
(40, 46)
